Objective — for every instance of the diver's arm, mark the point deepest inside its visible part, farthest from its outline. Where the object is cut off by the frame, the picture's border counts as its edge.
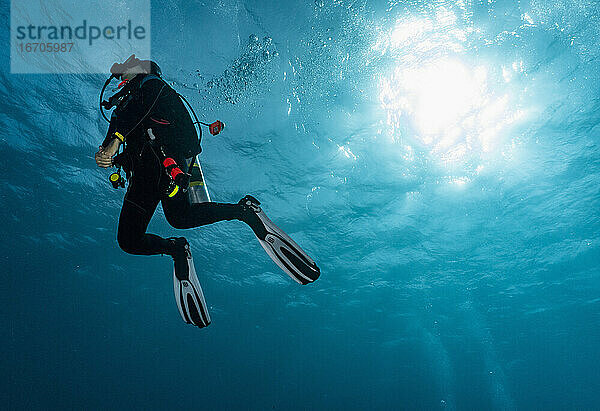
(154, 103)
(113, 147)
(104, 156)
(113, 132)
(128, 119)
(110, 146)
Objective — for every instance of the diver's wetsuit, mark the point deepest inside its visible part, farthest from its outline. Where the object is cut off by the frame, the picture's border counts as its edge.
(169, 121)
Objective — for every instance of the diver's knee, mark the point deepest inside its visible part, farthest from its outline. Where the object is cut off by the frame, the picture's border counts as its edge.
(176, 221)
(125, 242)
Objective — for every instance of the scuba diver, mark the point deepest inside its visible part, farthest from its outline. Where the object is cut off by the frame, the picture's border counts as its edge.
(160, 159)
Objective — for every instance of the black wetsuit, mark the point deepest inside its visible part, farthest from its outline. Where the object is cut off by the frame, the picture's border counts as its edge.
(149, 103)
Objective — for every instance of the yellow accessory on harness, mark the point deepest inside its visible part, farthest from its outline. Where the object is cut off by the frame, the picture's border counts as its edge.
(120, 136)
(175, 191)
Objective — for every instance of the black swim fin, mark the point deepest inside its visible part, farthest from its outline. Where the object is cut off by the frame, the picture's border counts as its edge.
(188, 292)
(280, 247)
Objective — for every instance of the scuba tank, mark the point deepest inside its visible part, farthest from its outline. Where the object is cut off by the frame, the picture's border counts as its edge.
(191, 183)
(198, 191)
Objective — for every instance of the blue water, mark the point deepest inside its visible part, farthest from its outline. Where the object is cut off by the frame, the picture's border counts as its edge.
(439, 160)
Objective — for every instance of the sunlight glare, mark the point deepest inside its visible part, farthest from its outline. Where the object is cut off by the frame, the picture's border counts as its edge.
(436, 98)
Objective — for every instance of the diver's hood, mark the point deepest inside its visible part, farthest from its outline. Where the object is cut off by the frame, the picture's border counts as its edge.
(117, 70)
(148, 66)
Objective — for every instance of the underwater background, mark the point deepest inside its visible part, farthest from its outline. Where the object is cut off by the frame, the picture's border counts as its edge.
(438, 159)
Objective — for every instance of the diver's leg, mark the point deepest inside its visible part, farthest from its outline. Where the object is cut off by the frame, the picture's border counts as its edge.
(181, 214)
(139, 205)
(279, 246)
(132, 236)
